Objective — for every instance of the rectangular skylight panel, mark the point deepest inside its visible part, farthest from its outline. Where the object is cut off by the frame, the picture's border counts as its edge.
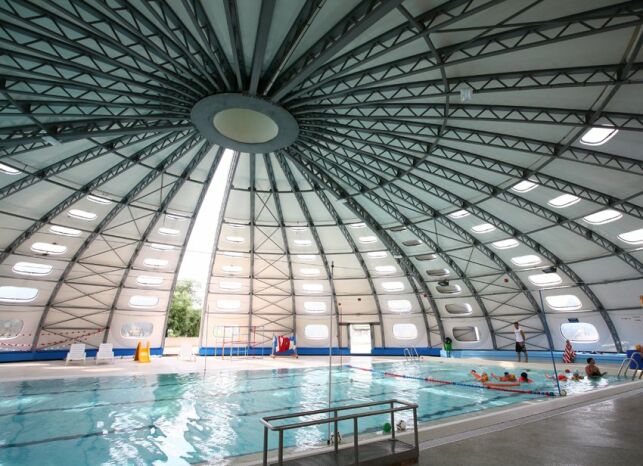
(524, 186)
(563, 201)
(598, 136)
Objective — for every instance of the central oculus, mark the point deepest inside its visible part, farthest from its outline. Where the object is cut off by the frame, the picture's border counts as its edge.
(244, 123)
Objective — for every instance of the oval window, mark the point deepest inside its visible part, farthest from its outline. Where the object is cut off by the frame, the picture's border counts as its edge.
(376, 254)
(467, 334)
(426, 257)
(448, 289)
(405, 331)
(368, 239)
(137, 329)
(32, 268)
(315, 306)
(228, 304)
(579, 332)
(563, 201)
(310, 272)
(7, 170)
(230, 286)
(302, 242)
(146, 280)
(162, 247)
(313, 287)
(393, 286)
(459, 214)
(438, 272)
(483, 228)
(316, 332)
(17, 294)
(545, 279)
(460, 309)
(505, 243)
(400, 305)
(10, 328)
(564, 302)
(232, 269)
(155, 263)
(64, 231)
(412, 242)
(81, 214)
(169, 231)
(143, 301)
(632, 237)
(526, 261)
(235, 239)
(98, 199)
(385, 269)
(603, 217)
(48, 248)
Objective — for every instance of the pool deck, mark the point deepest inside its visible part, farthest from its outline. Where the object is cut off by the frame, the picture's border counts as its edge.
(34, 370)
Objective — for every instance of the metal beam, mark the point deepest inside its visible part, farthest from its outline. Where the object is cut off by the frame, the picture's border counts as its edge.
(319, 177)
(284, 238)
(362, 17)
(166, 163)
(261, 41)
(283, 163)
(234, 30)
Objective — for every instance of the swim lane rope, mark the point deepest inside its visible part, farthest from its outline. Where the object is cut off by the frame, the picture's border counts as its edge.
(449, 382)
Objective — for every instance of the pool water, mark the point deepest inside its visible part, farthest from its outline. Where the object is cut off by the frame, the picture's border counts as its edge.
(179, 419)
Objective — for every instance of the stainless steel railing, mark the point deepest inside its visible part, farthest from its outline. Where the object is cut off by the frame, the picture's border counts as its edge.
(394, 406)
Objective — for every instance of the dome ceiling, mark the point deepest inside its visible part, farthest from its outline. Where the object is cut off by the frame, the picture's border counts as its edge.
(440, 161)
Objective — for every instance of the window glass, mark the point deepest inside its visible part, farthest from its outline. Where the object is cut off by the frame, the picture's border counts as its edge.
(377, 254)
(17, 294)
(169, 231)
(526, 261)
(233, 269)
(579, 332)
(137, 329)
(64, 231)
(524, 186)
(156, 263)
(228, 304)
(98, 199)
(459, 214)
(458, 308)
(368, 239)
(385, 269)
(7, 170)
(466, 334)
(310, 272)
(315, 306)
(563, 302)
(148, 280)
(399, 305)
(438, 272)
(10, 328)
(483, 228)
(312, 287)
(143, 301)
(632, 237)
(545, 279)
(235, 239)
(81, 214)
(505, 243)
(48, 248)
(230, 286)
(603, 217)
(302, 242)
(448, 289)
(357, 225)
(162, 247)
(393, 286)
(563, 201)
(32, 268)
(405, 331)
(316, 332)
(231, 332)
(597, 136)
(426, 257)
(412, 242)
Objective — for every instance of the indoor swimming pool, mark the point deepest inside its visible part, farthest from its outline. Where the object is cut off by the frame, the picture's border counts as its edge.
(179, 419)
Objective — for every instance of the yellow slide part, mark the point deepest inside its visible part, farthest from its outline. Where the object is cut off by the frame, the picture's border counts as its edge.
(142, 353)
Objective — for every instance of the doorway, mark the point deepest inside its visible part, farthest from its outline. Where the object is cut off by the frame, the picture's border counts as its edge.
(360, 338)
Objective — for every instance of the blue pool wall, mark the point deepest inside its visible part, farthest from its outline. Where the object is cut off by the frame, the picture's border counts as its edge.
(16, 356)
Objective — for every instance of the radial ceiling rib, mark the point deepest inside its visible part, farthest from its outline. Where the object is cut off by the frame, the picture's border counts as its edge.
(282, 227)
(321, 178)
(362, 17)
(513, 232)
(328, 268)
(544, 32)
(393, 171)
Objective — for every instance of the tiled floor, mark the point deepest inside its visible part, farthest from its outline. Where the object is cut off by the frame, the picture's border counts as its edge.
(602, 433)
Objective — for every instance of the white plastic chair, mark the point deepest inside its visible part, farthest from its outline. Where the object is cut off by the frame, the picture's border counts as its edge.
(105, 353)
(76, 353)
(185, 352)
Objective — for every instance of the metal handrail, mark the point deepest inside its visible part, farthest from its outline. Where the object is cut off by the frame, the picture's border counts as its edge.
(626, 362)
(335, 419)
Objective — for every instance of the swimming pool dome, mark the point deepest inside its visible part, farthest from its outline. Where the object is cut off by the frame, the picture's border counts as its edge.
(421, 168)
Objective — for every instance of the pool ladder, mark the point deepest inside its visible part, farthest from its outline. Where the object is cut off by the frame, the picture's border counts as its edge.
(411, 354)
(635, 359)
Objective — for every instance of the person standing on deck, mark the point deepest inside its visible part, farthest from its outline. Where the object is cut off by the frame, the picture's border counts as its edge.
(521, 342)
